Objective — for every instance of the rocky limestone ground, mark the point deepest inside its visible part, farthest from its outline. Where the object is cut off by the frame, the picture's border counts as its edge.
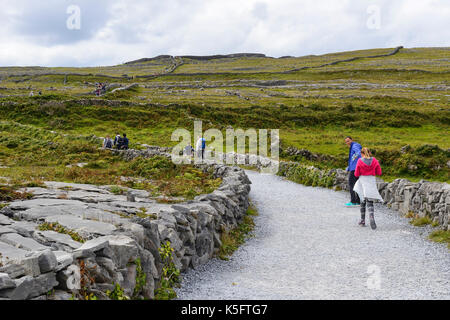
(110, 238)
(307, 245)
(36, 258)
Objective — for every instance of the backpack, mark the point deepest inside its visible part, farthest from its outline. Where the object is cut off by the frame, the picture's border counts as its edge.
(125, 142)
(120, 142)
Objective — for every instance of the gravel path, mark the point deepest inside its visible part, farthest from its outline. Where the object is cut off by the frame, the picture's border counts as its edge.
(307, 245)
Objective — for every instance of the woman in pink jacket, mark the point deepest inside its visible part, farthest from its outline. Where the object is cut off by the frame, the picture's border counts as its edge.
(367, 169)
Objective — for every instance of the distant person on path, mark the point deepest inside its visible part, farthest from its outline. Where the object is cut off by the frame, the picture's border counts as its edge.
(367, 168)
(353, 156)
(200, 147)
(107, 143)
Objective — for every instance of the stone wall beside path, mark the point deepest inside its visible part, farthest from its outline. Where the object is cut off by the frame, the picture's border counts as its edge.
(422, 198)
(121, 245)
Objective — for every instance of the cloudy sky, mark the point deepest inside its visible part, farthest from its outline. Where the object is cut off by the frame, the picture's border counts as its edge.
(109, 32)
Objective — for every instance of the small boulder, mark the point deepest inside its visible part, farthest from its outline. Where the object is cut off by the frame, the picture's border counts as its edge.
(47, 261)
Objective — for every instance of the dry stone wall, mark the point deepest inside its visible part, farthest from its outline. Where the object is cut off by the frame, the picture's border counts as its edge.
(423, 198)
(122, 246)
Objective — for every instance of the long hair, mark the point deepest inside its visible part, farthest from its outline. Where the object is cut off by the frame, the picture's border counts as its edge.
(365, 152)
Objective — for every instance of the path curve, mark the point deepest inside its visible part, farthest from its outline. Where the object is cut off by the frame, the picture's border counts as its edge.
(307, 245)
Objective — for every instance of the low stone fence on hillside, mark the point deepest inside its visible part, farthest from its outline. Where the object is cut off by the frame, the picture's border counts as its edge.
(122, 246)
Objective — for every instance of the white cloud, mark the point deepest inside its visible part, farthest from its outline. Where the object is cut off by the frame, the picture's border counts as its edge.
(114, 31)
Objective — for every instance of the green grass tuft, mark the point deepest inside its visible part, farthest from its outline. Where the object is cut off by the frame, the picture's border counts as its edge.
(420, 221)
(442, 236)
(232, 239)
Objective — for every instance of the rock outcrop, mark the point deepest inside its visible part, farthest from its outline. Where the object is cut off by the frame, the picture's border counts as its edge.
(73, 238)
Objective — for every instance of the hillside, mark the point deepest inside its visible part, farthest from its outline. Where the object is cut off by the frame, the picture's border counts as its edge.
(384, 98)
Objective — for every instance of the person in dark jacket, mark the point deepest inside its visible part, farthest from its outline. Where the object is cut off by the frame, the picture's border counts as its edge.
(123, 142)
(116, 140)
(354, 154)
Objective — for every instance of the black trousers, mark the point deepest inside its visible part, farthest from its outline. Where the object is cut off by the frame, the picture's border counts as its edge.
(354, 198)
(369, 205)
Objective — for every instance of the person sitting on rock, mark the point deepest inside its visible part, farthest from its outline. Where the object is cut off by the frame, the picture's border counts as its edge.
(123, 142)
(116, 139)
(107, 143)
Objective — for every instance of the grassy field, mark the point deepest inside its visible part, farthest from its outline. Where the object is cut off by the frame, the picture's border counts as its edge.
(30, 155)
(385, 103)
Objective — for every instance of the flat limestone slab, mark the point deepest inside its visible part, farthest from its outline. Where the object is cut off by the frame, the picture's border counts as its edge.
(27, 204)
(13, 270)
(18, 241)
(83, 226)
(4, 229)
(65, 239)
(24, 228)
(107, 216)
(4, 220)
(74, 187)
(11, 253)
(37, 209)
(38, 212)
